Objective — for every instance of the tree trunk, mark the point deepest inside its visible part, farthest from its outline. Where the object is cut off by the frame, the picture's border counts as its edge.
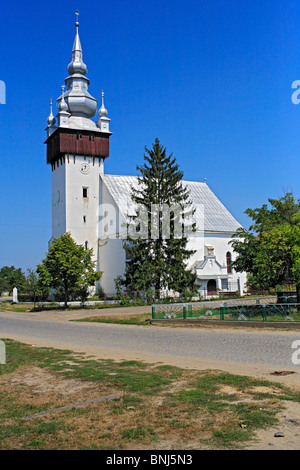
(66, 298)
(157, 289)
(298, 293)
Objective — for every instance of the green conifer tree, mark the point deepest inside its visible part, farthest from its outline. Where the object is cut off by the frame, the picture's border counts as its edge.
(156, 245)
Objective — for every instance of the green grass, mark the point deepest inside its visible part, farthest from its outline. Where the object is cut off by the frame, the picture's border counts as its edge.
(141, 319)
(11, 307)
(159, 403)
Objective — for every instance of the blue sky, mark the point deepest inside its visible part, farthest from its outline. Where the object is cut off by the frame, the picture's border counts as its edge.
(212, 80)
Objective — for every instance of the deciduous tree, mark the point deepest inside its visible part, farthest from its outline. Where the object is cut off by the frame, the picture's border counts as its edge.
(68, 268)
(270, 250)
(11, 277)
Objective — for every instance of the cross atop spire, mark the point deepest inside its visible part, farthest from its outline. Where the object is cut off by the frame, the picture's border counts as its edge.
(77, 65)
(77, 17)
(77, 44)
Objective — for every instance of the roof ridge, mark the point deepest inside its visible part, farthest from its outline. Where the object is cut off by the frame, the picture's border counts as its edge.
(138, 176)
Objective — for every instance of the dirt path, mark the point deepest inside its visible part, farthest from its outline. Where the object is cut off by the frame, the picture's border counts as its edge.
(287, 431)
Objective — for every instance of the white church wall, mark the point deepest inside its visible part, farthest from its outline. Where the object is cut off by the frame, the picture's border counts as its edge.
(216, 266)
(111, 252)
(58, 200)
(112, 255)
(108, 225)
(219, 242)
(196, 243)
(82, 212)
(112, 263)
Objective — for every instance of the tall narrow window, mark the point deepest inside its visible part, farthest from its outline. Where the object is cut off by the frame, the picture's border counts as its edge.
(228, 262)
(86, 245)
(84, 219)
(84, 192)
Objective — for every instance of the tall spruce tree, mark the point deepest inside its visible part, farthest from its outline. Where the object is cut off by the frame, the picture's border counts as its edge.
(156, 244)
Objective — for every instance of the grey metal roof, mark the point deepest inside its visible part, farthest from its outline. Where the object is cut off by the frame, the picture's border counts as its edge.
(216, 217)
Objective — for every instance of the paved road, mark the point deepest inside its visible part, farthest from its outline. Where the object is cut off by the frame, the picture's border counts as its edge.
(271, 349)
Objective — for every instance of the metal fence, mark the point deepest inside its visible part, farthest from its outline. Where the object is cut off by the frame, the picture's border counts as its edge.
(231, 312)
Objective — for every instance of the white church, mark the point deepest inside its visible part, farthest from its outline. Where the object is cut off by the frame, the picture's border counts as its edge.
(93, 206)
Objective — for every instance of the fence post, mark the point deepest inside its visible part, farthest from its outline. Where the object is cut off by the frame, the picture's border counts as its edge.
(221, 313)
(264, 313)
(153, 312)
(184, 313)
(224, 310)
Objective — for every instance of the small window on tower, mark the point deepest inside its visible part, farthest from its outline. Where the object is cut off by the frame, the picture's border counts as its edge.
(84, 192)
(86, 245)
(84, 219)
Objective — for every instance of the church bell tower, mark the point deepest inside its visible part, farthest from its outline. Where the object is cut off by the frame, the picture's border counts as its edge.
(76, 149)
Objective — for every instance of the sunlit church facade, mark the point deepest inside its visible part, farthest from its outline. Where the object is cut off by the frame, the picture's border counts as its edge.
(92, 206)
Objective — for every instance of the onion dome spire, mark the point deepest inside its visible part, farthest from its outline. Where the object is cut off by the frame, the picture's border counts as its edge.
(63, 115)
(63, 105)
(103, 121)
(102, 111)
(51, 119)
(77, 65)
(80, 104)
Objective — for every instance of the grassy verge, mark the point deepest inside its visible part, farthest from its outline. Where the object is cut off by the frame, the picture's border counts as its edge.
(140, 319)
(161, 407)
(18, 308)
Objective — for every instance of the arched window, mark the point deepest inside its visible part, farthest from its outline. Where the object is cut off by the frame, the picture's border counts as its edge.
(228, 262)
(86, 245)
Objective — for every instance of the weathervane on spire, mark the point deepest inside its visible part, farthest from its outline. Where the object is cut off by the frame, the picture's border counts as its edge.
(77, 17)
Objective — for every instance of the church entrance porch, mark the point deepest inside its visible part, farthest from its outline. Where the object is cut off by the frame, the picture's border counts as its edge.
(211, 287)
(214, 286)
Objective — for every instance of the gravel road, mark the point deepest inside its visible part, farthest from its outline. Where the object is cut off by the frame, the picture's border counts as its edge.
(267, 348)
